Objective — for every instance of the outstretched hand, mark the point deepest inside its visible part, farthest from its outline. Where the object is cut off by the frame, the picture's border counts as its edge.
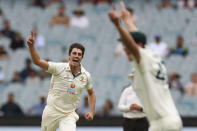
(114, 16)
(31, 40)
(125, 14)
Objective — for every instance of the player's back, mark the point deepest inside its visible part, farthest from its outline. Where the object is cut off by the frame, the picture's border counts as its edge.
(150, 84)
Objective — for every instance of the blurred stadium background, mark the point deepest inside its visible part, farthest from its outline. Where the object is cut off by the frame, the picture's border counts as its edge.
(108, 69)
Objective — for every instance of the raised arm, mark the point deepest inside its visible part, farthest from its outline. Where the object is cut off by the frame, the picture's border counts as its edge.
(34, 54)
(127, 39)
(126, 18)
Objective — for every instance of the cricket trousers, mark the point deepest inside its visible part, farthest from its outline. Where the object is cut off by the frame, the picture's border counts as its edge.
(52, 119)
(172, 123)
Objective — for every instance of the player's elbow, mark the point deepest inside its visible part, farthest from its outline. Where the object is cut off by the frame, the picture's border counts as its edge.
(37, 62)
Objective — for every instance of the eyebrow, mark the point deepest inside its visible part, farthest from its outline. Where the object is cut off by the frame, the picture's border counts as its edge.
(77, 52)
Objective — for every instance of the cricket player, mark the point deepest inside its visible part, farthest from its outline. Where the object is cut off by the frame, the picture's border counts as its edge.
(67, 82)
(150, 81)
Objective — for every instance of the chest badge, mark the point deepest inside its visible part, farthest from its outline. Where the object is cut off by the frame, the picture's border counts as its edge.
(82, 78)
(72, 86)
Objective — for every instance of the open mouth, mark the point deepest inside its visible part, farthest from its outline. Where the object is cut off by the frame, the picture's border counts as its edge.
(75, 60)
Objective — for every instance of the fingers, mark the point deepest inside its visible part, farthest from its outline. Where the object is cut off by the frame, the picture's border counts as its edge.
(88, 117)
(113, 7)
(32, 34)
(29, 42)
(122, 5)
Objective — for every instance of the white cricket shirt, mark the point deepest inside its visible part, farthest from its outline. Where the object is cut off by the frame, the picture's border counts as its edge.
(65, 89)
(150, 85)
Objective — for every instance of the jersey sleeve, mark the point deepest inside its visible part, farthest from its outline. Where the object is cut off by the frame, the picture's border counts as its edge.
(89, 82)
(55, 68)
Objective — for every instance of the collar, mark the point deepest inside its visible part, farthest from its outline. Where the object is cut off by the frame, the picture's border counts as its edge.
(68, 68)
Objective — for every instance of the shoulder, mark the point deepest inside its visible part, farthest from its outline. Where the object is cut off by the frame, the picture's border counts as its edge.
(144, 51)
(58, 65)
(65, 64)
(129, 89)
(84, 71)
(148, 56)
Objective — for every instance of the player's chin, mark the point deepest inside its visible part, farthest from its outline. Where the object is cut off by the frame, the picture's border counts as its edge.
(76, 63)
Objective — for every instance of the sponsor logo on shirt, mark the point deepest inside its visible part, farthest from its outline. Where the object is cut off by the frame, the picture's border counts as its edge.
(67, 77)
(71, 90)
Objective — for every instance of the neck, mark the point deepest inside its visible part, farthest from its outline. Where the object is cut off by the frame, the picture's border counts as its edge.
(75, 69)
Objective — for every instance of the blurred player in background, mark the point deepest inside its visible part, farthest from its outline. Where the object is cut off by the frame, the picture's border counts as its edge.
(150, 81)
(133, 114)
(67, 82)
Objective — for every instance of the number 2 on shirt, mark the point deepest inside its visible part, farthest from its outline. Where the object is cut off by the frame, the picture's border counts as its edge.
(161, 74)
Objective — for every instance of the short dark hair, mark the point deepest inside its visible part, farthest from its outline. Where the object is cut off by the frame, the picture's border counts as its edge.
(138, 37)
(78, 46)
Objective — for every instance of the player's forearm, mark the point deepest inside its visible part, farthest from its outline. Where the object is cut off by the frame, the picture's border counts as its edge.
(128, 42)
(34, 55)
(92, 101)
(37, 60)
(131, 26)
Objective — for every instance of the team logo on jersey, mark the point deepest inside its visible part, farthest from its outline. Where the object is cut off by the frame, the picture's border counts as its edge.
(72, 85)
(82, 78)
